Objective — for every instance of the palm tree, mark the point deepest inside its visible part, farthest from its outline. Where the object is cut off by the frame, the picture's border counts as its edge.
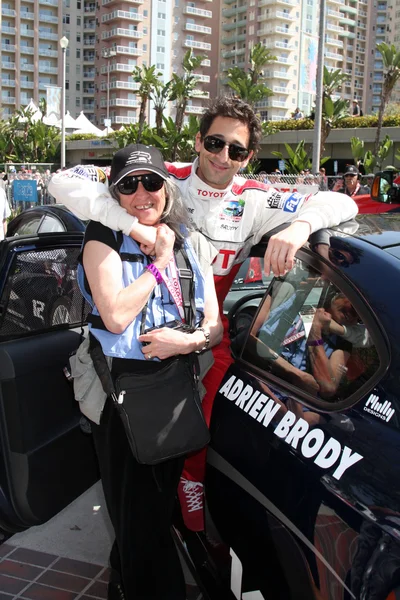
(182, 87)
(160, 97)
(148, 80)
(333, 81)
(333, 111)
(391, 62)
(250, 85)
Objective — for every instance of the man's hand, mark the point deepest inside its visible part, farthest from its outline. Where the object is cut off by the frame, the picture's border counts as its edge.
(322, 319)
(283, 246)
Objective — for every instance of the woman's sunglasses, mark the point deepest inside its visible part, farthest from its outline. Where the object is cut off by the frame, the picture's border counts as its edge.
(215, 145)
(150, 182)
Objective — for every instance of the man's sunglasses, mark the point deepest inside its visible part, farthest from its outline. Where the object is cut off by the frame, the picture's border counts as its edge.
(215, 145)
(338, 258)
(151, 183)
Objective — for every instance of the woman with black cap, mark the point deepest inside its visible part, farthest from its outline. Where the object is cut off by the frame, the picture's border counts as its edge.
(122, 288)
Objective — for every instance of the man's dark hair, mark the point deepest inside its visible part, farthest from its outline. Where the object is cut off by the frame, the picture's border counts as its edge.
(233, 108)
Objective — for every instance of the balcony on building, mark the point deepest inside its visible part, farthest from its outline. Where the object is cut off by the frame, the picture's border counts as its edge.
(89, 24)
(89, 74)
(198, 12)
(88, 90)
(27, 84)
(89, 57)
(200, 94)
(48, 52)
(46, 35)
(8, 29)
(195, 110)
(278, 89)
(7, 82)
(234, 52)
(122, 120)
(7, 65)
(196, 45)
(127, 51)
(88, 106)
(227, 41)
(233, 12)
(333, 56)
(26, 14)
(202, 78)
(89, 41)
(283, 60)
(7, 99)
(45, 18)
(347, 21)
(125, 102)
(25, 32)
(49, 2)
(47, 69)
(198, 28)
(235, 25)
(333, 42)
(8, 12)
(279, 44)
(282, 2)
(336, 28)
(120, 85)
(89, 7)
(25, 49)
(119, 32)
(277, 75)
(132, 15)
(120, 67)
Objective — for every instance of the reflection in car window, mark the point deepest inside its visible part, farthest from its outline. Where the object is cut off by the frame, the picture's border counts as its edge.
(308, 333)
(50, 225)
(41, 292)
(28, 227)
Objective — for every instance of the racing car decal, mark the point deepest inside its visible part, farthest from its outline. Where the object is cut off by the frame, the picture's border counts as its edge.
(293, 430)
(383, 410)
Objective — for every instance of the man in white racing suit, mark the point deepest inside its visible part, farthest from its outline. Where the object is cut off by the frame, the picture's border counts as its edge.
(233, 213)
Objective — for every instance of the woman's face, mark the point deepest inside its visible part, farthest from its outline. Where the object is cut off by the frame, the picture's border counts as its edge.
(343, 312)
(146, 206)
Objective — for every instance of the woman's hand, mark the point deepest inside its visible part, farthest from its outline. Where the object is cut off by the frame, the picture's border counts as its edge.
(322, 319)
(165, 342)
(146, 236)
(283, 246)
(164, 246)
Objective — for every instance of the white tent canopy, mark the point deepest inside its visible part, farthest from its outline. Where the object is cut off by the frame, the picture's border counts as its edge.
(85, 126)
(70, 122)
(36, 114)
(106, 131)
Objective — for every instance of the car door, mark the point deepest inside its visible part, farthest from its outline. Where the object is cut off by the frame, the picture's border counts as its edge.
(300, 478)
(47, 456)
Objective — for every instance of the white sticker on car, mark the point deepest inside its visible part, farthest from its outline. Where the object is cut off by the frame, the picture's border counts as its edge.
(383, 410)
(312, 444)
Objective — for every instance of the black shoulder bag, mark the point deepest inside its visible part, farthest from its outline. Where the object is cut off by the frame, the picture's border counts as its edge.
(161, 411)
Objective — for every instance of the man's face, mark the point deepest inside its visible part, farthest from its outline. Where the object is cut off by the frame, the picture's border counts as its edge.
(350, 180)
(218, 170)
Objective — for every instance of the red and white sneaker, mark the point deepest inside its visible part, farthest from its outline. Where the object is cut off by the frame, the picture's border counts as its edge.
(191, 498)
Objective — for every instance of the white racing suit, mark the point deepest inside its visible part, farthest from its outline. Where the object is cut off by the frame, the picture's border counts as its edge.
(233, 220)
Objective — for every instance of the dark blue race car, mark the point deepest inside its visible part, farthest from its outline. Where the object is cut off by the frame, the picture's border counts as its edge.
(302, 483)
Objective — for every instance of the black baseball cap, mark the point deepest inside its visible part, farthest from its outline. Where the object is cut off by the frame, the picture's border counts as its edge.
(137, 157)
(351, 170)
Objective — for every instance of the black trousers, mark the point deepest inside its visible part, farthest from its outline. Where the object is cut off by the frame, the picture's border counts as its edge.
(140, 501)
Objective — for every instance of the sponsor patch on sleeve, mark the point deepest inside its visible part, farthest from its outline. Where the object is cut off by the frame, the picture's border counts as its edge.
(292, 202)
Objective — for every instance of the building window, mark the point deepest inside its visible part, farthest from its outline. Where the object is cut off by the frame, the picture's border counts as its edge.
(78, 86)
(78, 4)
(66, 19)
(77, 101)
(78, 53)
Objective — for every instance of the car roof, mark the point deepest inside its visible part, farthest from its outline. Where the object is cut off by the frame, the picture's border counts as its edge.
(381, 230)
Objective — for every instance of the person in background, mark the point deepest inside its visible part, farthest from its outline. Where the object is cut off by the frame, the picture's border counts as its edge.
(229, 135)
(5, 212)
(322, 180)
(356, 109)
(352, 186)
(370, 179)
(298, 114)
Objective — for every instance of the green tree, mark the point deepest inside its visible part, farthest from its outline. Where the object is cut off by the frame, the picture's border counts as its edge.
(183, 86)
(298, 158)
(160, 97)
(333, 110)
(250, 85)
(148, 80)
(391, 62)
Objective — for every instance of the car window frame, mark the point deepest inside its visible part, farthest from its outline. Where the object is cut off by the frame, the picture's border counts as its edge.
(344, 285)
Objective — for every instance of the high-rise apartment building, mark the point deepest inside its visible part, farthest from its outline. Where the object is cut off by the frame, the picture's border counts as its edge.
(30, 52)
(108, 38)
(289, 28)
(133, 33)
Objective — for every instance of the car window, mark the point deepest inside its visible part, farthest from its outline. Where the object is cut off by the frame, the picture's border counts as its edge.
(249, 278)
(50, 224)
(308, 334)
(41, 292)
(28, 226)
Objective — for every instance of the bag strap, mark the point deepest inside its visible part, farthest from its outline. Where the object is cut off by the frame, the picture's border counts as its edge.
(101, 367)
(187, 285)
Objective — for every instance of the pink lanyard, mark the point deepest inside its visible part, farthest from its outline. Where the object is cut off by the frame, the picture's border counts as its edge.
(174, 287)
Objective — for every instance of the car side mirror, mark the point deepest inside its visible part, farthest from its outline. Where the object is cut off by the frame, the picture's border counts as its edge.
(384, 189)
